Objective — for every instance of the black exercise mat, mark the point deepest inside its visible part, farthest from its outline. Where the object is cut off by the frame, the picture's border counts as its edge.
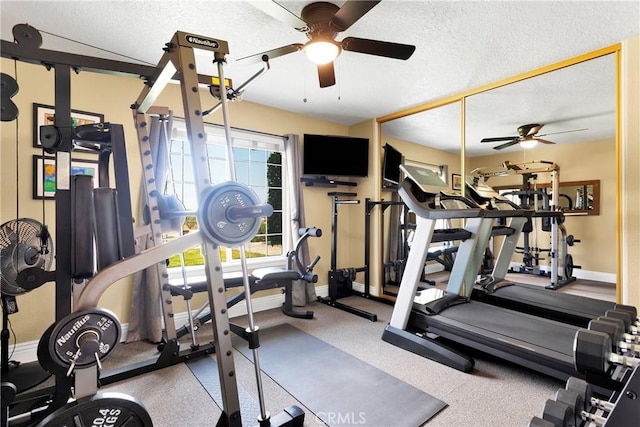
(205, 369)
(339, 388)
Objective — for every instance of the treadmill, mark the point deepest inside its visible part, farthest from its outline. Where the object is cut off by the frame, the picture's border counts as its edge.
(495, 289)
(421, 319)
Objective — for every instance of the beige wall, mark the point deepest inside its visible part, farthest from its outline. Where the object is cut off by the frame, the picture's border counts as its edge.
(112, 96)
(585, 161)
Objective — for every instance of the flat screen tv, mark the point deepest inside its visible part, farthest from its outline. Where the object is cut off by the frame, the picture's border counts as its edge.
(327, 155)
(391, 161)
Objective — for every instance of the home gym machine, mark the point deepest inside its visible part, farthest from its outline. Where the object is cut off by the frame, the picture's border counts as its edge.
(229, 214)
(561, 269)
(341, 280)
(493, 288)
(260, 279)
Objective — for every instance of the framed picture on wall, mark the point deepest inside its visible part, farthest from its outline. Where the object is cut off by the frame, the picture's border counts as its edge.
(456, 181)
(45, 115)
(44, 174)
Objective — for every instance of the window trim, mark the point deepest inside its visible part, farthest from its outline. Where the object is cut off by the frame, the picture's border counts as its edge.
(250, 140)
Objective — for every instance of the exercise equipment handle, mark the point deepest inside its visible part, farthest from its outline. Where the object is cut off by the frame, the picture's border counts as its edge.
(311, 231)
(238, 213)
(313, 263)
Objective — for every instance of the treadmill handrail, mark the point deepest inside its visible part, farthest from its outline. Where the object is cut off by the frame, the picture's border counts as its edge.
(406, 191)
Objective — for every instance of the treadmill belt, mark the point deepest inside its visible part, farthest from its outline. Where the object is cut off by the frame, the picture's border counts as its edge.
(543, 333)
(531, 295)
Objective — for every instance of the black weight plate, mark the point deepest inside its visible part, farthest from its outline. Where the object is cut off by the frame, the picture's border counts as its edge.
(568, 266)
(214, 218)
(64, 340)
(101, 410)
(44, 357)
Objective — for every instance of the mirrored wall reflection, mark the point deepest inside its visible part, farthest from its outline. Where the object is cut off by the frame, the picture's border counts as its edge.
(568, 117)
(431, 138)
(571, 105)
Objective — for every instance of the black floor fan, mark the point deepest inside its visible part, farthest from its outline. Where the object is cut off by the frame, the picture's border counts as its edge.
(26, 250)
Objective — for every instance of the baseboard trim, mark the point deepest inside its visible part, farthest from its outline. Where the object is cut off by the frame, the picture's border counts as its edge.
(28, 351)
(579, 273)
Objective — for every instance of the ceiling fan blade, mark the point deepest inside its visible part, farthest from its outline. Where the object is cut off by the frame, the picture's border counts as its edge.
(273, 53)
(500, 138)
(508, 144)
(326, 74)
(350, 12)
(280, 13)
(379, 48)
(543, 141)
(564, 131)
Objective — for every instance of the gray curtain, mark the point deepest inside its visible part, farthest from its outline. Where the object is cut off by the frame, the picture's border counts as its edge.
(145, 315)
(303, 292)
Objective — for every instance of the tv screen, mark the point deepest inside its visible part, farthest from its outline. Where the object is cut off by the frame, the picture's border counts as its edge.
(327, 155)
(391, 161)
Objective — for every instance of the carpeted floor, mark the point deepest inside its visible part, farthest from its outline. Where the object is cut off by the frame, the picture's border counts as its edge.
(497, 393)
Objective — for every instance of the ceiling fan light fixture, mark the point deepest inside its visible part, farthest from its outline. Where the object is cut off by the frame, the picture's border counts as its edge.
(528, 143)
(322, 51)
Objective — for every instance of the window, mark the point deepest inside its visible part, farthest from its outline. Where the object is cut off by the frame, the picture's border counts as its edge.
(258, 162)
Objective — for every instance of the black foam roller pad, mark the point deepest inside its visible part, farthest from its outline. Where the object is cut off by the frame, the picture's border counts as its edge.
(82, 249)
(107, 230)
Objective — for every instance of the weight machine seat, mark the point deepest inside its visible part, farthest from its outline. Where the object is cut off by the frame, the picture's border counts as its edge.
(232, 280)
(268, 275)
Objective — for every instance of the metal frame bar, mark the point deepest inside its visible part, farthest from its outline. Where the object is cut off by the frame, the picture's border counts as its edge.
(180, 57)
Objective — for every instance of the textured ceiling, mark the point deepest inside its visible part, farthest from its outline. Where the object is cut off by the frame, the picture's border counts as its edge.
(459, 45)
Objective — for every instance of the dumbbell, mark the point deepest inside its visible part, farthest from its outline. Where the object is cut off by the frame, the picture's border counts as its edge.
(573, 401)
(620, 323)
(585, 391)
(630, 321)
(592, 352)
(559, 414)
(629, 309)
(616, 334)
(540, 422)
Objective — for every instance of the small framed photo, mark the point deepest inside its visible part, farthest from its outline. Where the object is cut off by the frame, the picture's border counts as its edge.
(44, 174)
(45, 115)
(456, 181)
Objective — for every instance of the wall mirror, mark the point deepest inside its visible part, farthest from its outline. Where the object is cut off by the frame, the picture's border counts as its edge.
(575, 197)
(429, 138)
(565, 97)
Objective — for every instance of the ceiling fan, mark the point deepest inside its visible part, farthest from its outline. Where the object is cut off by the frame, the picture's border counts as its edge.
(321, 22)
(527, 137)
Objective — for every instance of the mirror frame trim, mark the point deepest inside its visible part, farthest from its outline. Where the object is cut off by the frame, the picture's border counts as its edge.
(615, 49)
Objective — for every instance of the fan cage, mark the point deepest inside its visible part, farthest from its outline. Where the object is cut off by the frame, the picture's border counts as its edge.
(21, 248)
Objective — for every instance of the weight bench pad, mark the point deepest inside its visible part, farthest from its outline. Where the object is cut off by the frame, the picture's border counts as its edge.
(274, 274)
